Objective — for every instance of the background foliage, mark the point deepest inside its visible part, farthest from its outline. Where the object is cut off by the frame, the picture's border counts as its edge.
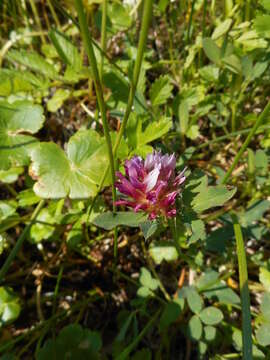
(172, 290)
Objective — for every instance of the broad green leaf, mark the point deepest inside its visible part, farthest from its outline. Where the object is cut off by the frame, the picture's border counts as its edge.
(119, 16)
(258, 69)
(194, 300)
(41, 231)
(27, 197)
(183, 113)
(254, 212)
(211, 315)
(262, 25)
(14, 81)
(211, 50)
(261, 162)
(149, 228)
(263, 334)
(108, 220)
(153, 131)
(163, 251)
(144, 292)
(193, 132)
(210, 196)
(75, 173)
(11, 175)
(170, 314)
(221, 29)
(209, 73)
(7, 208)
(265, 306)
(119, 87)
(9, 306)
(198, 231)
(221, 292)
(195, 328)
(160, 91)
(33, 61)
(57, 100)
(66, 50)
(15, 119)
(232, 63)
(73, 342)
(147, 280)
(210, 333)
(265, 4)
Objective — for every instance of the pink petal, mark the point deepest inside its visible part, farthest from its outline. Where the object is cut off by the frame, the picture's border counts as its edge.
(151, 179)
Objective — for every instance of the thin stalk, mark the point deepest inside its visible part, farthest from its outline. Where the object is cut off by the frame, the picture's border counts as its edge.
(203, 30)
(37, 19)
(227, 136)
(147, 12)
(103, 36)
(87, 40)
(253, 130)
(54, 15)
(20, 241)
(190, 21)
(152, 268)
(244, 292)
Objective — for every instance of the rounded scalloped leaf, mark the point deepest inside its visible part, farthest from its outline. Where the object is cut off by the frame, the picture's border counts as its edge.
(15, 119)
(75, 173)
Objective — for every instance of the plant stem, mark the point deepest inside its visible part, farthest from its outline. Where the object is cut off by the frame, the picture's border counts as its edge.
(87, 40)
(103, 36)
(124, 354)
(227, 136)
(20, 241)
(190, 21)
(253, 130)
(37, 19)
(147, 12)
(54, 15)
(244, 291)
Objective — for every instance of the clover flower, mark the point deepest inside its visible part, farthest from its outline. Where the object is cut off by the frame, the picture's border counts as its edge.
(150, 185)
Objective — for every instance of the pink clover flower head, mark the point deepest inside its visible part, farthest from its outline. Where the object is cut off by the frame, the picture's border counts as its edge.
(151, 185)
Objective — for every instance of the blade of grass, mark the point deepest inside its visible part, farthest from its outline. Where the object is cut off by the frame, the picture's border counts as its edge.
(253, 130)
(244, 291)
(20, 241)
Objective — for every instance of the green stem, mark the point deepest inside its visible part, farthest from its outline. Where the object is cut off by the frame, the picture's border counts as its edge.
(244, 291)
(227, 136)
(54, 15)
(87, 40)
(37, 19)
(147, 12)
(124, 354)
(103, 35)
(190, 21)
(20, 241)
(258, 122)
